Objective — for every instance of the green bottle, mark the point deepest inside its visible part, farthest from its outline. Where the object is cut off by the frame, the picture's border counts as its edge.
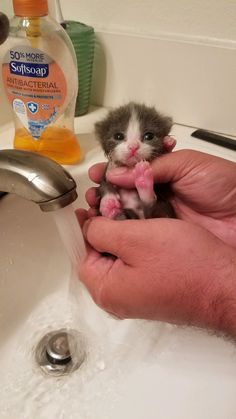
(83, 39)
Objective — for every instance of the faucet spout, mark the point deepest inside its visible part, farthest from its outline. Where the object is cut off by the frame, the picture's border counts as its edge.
(36, 178)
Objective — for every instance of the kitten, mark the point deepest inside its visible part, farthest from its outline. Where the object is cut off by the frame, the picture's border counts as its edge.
(133, 135)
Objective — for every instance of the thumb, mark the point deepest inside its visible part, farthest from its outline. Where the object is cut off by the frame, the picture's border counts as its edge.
(171, 167)
(110, 236)
(121, 176)
(167, 168)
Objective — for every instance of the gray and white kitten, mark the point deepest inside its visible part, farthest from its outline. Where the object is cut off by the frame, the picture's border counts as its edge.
(133, 135)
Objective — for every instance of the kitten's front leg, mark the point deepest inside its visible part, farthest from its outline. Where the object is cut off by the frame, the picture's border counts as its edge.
(144, 183)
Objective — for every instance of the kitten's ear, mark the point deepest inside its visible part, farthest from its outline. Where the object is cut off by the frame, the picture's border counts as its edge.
(99, 130)
(167, 123)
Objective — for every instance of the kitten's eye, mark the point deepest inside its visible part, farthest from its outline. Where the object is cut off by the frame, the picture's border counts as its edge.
(148, 136)
(118, 136)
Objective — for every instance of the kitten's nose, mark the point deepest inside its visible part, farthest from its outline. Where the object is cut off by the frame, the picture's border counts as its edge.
(133, 148)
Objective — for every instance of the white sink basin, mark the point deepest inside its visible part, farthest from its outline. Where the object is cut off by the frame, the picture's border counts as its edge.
(133, 369)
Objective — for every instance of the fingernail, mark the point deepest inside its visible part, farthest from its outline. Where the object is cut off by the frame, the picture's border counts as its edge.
(118, 171)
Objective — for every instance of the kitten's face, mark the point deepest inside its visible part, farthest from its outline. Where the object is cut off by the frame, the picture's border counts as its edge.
(132, 133)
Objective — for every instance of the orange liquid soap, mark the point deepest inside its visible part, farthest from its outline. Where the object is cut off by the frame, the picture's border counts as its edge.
(59, 144)
(40, 77)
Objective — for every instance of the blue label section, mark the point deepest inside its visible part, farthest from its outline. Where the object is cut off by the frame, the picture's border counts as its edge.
(29, 70)
(37, 127)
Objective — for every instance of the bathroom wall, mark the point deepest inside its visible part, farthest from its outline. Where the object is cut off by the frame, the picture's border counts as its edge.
(6, 7)
(177, 55)
(191, 18)
(197, 18)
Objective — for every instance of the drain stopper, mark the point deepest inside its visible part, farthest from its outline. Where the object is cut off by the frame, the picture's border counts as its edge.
(58, 349)
(60, 352)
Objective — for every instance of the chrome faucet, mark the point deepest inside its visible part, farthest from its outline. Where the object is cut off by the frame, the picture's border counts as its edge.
(4, 27)
(36, 178)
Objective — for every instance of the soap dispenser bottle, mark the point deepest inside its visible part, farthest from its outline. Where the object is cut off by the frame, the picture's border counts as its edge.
(40, 78)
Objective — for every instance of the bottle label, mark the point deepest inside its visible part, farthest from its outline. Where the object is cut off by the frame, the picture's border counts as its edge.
(35, 86)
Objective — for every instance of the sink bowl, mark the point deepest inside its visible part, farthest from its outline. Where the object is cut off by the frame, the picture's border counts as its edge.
(133, 369)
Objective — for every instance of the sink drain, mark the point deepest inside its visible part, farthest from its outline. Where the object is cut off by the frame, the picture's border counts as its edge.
(60, 352)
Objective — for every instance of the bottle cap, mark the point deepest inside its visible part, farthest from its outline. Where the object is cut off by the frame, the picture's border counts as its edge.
(30, 8)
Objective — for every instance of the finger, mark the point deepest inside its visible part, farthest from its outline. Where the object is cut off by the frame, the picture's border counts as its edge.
(169, 143)
(113, 286)
(92, 197)
(81, 215)
(102, 277)
(97, 171)
(173, 166)
(169, 167)
(117, 238)
(92, 212)
(94, 272)
(121, 176)
(95, 266)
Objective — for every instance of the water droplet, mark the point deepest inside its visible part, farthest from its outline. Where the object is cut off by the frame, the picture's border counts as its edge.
(101, 365)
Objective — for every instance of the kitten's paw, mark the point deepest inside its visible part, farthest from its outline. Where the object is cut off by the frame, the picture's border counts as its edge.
(143, 175)
(144, 182)
(110, 206)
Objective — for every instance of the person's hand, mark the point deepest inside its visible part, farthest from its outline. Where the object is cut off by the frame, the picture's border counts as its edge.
(204, 188)
(162, 269)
